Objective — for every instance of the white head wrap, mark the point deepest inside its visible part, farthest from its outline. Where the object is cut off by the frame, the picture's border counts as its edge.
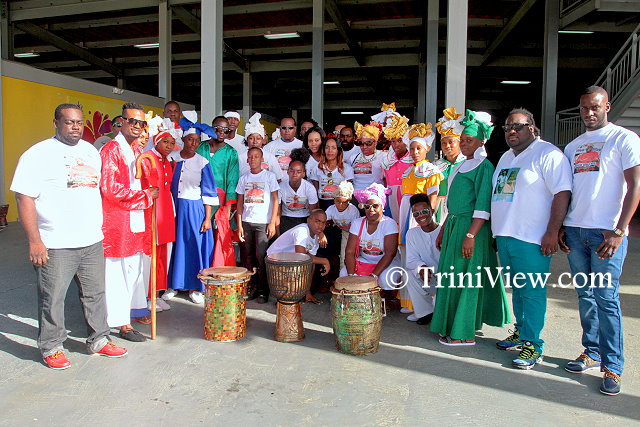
(275, 135)
(232, 114)
(254, 126)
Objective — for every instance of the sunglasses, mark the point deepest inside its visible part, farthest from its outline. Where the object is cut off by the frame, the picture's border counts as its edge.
(515, 126)
(287, 127)
(374, 206)
(422, 212)
(220, 129)
(136, 122)
(116, 124)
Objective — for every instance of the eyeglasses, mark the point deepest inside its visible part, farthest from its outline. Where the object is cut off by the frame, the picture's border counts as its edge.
(287, 127)
(515, 126)
(116, 124)
(425, 211)
(368, 143)
(374, 206)
(134, 122)
(220, 129)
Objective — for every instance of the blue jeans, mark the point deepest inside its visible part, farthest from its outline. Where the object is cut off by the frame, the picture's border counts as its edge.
(86, 266)
(600, 313)
(529, 301)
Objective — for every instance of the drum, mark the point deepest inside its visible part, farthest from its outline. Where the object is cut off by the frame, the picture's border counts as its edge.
(289, 276)
(225, 304)
(356, 308)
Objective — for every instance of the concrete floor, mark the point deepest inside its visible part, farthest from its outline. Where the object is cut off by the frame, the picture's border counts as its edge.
(182, 379)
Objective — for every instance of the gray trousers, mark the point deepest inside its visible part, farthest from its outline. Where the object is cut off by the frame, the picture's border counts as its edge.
(255, 249)
(86, 265)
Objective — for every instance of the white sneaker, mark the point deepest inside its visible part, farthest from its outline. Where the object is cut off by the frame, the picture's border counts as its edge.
(162, 304)
(169, 293)
(412, 318)
(405, 310)
(197, 297)
(158, 307)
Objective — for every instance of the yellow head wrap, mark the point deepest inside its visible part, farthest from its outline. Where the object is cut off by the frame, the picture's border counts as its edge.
(372, 130)
(399, 125)
(449, 124)
(421, 133)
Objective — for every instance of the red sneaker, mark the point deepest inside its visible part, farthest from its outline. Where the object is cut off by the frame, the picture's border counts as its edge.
(112, 350)
(57, 361)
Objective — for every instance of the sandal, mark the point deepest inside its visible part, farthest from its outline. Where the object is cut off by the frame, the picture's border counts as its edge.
(146, 320)
(454, 342)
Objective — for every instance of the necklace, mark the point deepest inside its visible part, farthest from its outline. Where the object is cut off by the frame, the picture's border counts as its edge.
(368, 159)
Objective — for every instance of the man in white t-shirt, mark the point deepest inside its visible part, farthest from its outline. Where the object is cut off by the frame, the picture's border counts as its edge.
(233, 138)
(303, 239)
(605, 161)
(282, 147)
(57, 189)
(347, 139)
(530, 197)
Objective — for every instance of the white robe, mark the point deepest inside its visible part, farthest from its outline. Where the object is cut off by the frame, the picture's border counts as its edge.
(421, 250)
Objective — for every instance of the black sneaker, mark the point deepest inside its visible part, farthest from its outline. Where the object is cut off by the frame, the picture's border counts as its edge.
(132, 335)
(262, 299)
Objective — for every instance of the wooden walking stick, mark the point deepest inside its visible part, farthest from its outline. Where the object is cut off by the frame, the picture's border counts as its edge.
(154, 230)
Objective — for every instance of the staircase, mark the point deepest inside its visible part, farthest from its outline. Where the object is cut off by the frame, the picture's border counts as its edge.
(621, 78)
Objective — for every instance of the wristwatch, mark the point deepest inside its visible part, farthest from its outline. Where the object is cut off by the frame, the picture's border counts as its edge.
(471, 236)
(618, 232)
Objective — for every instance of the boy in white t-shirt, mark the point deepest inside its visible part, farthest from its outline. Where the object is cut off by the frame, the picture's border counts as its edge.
(257, 217)
(341, 213)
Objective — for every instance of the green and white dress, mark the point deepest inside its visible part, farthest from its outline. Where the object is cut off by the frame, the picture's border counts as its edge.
(463, 304)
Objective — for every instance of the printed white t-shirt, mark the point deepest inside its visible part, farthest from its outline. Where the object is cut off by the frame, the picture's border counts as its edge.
(237, 142)
(345, 218)
(297, 236)
(295, 203)
(372, 245)
(523, 190)
(328, 181)
(367, 170)
(64, 180)
(282, 150)
(257, 189)
(598, 160)
(269, 163)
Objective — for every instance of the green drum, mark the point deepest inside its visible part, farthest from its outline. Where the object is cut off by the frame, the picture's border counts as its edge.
(356, 308)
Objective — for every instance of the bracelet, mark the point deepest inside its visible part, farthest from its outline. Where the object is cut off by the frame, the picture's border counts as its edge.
(374, 275)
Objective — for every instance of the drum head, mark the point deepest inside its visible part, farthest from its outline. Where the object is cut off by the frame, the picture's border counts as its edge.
(224, 273)
(355, 283)
(289, 257)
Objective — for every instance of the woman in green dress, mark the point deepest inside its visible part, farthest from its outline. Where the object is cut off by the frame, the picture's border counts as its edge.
(470, 289)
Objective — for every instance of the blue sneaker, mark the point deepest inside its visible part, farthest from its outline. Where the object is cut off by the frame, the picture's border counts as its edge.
(527, 358)
(581, 364)
(512, 342)
(610, 383)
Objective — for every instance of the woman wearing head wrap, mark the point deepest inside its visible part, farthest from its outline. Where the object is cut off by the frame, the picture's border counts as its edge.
(367, 165)
(465, 243)
(372, 247)
(396, 162)
(194, 193)
(449, 128)
(254, 131)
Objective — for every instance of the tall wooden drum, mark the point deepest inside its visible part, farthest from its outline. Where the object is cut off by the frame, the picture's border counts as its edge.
(289, 276)
(225, 304)
(356, 308)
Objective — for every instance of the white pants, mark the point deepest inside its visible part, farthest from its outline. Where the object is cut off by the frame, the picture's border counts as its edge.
(422, 299)
(125, 287)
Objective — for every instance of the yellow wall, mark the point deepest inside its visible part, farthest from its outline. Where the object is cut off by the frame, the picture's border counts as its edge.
(28, 118)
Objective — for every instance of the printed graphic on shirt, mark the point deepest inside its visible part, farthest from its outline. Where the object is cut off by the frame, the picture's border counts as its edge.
(587, 157)
(295, 203)
(309, 244)
(254, 192)
(79, 174)
(505, 185)
(327, 186)
(283, 158)
(362, 168)
(371, 247)
(343, 224)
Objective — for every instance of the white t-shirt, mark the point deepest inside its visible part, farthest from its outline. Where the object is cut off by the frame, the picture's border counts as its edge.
(348, 156)
(257, 189)
(372, 245)
(598, 160)
(311, 166)
(296, 203)
(327, 184)
(523, 189)
(282, 150)
(421, 250)
(237, 142)
(297, 236)
(343, 219)
(269, 163)
(65, 182)
(367, 170)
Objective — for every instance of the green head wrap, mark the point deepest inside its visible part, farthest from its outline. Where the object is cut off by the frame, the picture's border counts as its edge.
(477, 124)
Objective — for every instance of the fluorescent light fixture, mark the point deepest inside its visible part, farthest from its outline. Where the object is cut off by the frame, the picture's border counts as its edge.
(147, 45)
(281, 36)
(331, 83)
(26, 55)
(574, 32)
(351, 113)
(515, 82)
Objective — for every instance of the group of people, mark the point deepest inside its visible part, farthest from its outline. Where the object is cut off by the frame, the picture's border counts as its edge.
(425, 231)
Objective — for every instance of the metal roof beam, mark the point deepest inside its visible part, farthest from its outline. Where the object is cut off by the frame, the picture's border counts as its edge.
(38, 9)
(513, 22)
(62, 44)
(345, 31)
